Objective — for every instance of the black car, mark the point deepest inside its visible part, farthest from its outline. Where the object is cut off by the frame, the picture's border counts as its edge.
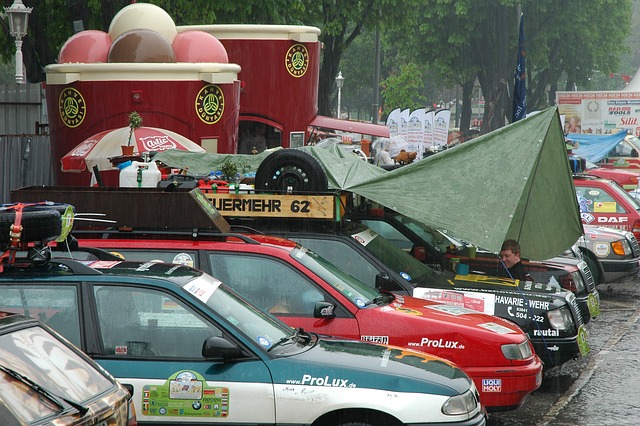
(438, 249)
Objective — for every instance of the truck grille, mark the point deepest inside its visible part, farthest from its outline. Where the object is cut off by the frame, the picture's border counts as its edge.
(635, 247)
(573, 303)
(587, 276)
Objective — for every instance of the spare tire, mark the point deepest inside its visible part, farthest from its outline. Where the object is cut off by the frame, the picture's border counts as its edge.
(291, 168)
(37, 225)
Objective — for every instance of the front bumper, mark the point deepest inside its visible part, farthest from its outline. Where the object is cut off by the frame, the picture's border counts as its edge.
(508, 388)
(615, 269)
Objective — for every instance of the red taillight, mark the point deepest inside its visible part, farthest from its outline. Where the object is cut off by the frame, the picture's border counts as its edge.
(420, 253)
(636, 229)
(376, 212)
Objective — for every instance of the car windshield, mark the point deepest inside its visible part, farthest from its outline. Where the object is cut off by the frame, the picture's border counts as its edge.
(357, 291)
(438, 239)
(37, 355)
(394, 257)
(257, 325)
(624, 195)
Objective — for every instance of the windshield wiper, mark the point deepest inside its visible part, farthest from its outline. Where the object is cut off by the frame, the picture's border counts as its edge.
(298, 332)
(33, 385)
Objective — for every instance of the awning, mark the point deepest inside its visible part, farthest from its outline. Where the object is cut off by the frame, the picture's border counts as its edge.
(350, 126)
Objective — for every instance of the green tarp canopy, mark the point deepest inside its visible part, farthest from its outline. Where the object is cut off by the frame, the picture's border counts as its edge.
(514, 182)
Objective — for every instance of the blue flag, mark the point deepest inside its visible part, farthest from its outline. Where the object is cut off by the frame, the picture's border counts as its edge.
(520, 89)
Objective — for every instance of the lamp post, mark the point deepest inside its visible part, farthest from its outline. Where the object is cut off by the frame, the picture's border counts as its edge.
(339, 83)
(18, 20)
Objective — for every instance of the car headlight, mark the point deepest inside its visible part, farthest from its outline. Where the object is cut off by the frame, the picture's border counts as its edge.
(621, 248)
(517, 351)
(460, 404)
(560, 319)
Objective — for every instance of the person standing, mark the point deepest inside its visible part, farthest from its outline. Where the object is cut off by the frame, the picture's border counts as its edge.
(510, 259)
(254, 142)
(383, 158)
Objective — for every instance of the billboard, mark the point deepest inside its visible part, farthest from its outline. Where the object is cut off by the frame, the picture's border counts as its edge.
(599, 112)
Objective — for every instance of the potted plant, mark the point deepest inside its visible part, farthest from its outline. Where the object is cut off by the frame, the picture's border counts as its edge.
(229, 171)
(135, 122)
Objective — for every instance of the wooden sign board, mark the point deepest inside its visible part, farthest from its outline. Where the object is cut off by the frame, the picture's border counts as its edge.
(275, 205)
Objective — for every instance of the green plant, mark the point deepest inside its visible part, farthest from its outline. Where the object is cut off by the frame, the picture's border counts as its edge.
(135, 122)
(229, 170)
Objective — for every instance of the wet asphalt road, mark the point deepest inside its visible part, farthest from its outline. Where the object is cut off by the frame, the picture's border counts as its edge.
(602, 388)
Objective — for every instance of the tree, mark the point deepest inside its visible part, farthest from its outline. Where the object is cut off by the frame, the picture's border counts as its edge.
(51, 23)
(341, 23)
(572, 41)
(467, 39)
(404, 89)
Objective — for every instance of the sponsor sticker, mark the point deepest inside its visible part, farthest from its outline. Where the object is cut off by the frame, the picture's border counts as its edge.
(185, 394)
(496, 328)
(426, 342)
(601, 249)
(491, 385)
(375, 339)
(183, 259)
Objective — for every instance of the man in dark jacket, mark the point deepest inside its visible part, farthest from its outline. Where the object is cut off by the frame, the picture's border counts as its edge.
(510, 258)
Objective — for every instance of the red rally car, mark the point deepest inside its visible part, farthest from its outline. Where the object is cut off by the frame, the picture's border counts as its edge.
(604, 203)
(304, 290)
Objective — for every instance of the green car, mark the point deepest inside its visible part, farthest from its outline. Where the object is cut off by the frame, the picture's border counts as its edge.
(190, 349)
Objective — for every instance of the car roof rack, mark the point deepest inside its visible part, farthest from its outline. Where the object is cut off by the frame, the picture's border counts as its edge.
(193, 233)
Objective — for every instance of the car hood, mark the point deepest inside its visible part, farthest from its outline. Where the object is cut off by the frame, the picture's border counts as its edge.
(366, 365)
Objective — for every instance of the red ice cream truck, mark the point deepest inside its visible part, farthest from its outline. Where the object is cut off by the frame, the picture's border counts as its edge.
(207, 83)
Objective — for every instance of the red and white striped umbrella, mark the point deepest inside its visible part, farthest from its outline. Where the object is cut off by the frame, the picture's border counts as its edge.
(97, 149)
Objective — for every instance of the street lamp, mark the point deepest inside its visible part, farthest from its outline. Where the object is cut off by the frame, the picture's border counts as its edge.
(339, 83)
(18, 20)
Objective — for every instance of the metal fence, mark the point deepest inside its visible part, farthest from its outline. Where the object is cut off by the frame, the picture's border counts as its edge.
(24, 161)
(25, 148)
(23, 110)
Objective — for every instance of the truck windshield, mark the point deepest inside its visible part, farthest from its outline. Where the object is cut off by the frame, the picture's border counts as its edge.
(355, 290)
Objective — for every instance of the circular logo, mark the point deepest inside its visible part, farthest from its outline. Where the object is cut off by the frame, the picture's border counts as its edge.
(183, 259)
(593, 106)
(297, 60)
(210, 104)
(72, 107)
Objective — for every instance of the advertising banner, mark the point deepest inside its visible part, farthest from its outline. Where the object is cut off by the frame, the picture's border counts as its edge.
(600, 112)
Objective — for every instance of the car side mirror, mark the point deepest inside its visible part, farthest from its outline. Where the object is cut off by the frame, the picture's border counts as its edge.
(324, 310)
(219, 349)
(385, 283)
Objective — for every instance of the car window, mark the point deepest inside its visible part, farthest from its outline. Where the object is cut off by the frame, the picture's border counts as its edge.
(596, 200)
(390, 233)
(267, 283)
(55, 306)
(624, 149)
(343, 256)
(137, 321)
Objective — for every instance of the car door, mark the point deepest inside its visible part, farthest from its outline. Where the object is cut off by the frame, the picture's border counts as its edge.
(281, 289)
(151, 341)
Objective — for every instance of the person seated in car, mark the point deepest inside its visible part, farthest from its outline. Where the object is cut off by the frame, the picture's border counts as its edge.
(510, 258)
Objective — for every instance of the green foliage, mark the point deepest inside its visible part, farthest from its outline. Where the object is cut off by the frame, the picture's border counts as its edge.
(229, 170)
(404, 89)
